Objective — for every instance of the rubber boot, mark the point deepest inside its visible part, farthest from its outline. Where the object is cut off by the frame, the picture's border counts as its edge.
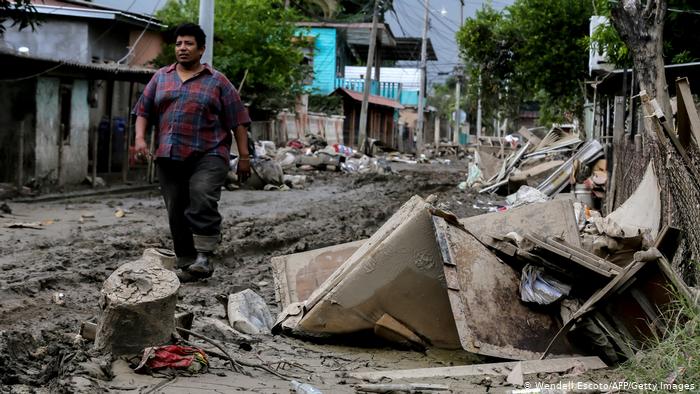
(203, 266)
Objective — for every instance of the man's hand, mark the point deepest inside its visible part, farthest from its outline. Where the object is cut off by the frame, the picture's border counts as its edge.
(243, 169)
(140, 146)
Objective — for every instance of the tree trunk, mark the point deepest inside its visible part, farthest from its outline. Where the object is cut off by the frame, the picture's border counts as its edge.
(641, 28)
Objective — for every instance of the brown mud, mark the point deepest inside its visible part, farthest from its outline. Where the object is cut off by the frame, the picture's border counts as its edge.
(50, 281)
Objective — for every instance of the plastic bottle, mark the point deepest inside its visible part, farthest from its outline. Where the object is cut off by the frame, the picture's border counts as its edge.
(304, 388)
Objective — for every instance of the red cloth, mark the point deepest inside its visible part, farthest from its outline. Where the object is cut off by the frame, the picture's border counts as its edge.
(170, 356)
(195, 116)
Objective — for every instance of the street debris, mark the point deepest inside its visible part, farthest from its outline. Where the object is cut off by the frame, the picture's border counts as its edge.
(137, 307)
(190, 359)
(248, 313)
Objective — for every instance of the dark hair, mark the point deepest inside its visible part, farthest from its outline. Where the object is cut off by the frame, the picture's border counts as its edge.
(191, 29)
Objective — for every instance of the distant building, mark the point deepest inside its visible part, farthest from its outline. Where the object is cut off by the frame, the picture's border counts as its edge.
(75, 75)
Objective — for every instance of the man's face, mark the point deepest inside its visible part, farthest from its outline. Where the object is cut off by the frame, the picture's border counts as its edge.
(186, 49)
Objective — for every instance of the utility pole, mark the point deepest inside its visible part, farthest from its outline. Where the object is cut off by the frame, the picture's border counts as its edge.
(421, 94)
(206, 22)
(286, 4)
(458, 88)
(368, 76)
(478, 111)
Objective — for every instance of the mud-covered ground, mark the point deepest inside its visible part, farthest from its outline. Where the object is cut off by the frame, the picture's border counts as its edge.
(50, 281)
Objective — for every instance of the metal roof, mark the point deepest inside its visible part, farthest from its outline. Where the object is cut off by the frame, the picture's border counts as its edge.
(21, 67)
(377, 100)
(83, 9)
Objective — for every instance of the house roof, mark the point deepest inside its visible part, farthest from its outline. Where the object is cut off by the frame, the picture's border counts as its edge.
(406, 48)
(376, 100)
(357, 35)
(20, 67)
(84, 9)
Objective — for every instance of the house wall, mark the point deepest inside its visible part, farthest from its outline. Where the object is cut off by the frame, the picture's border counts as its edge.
(47, 128)
(107, 46)
(147, 49)
(324, 59)
(74, 165)
(57, 38)
(18, 100)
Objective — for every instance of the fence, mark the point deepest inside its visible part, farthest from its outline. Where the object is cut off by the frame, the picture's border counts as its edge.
(289, 126)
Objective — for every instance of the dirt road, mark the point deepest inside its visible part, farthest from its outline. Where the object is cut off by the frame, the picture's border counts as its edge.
(50, 279)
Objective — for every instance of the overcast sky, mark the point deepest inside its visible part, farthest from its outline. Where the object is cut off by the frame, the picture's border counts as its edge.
(444, 23)
(408, 22)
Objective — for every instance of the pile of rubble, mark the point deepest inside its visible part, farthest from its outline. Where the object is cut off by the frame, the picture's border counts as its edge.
(540, 280)
(548, 164)
(271, 166)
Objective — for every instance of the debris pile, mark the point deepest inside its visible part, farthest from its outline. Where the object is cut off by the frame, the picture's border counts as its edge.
(548, 164)
(545, 278)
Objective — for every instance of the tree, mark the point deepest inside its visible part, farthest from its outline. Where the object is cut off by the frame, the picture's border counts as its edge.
(485, 41)
(641, 27)
(21, 12)
(256, 46)
(531, 50)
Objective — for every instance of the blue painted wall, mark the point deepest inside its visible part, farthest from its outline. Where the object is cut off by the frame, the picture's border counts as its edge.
(324, 56)
(409, 97)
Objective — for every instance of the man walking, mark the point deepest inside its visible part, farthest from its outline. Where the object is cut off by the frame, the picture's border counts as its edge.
(194, 108)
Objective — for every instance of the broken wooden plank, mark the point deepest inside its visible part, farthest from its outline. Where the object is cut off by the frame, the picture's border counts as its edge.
(529, 136)
(400, 388)
(688, 121)
(577, 255)
(553, 365)
(485, 300)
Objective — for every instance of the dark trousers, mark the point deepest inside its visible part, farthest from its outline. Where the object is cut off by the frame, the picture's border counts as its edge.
(191, 190)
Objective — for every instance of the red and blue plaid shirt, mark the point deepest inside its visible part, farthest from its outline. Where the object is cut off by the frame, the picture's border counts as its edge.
(193, 117)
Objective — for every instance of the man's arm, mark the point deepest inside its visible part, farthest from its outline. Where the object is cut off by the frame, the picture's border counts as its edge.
(140, 145)
(241, 135)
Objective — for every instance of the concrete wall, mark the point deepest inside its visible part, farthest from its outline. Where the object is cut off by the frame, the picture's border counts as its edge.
(63, 39)
(147, 49)
(74, 164)
(47, 127)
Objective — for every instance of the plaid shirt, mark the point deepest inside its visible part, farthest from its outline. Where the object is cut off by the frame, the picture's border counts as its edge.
(194, 117)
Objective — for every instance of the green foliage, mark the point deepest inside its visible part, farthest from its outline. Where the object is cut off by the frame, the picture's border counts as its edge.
(531, 50)
(22, 13)
(330, 105)
(252, 38)
(674, 355)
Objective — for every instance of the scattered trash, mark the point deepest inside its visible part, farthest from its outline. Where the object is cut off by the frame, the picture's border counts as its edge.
(538, 287)
(58, 298)
(401, 388)
(303, 388)
(248, 313)
(120, 213)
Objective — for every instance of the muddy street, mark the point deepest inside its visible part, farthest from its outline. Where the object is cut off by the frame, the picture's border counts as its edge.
(50, 278)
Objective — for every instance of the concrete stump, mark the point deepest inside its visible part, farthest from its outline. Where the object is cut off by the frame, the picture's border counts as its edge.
(138, 308)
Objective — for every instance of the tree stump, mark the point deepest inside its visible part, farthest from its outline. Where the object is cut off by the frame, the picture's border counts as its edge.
(138, 308)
